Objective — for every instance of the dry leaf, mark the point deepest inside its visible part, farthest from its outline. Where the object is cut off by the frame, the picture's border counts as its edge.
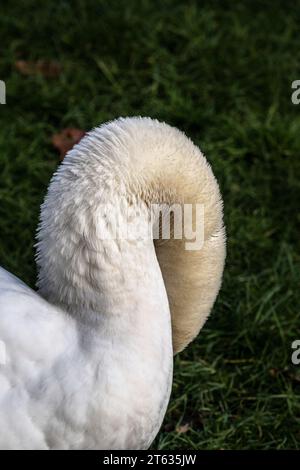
(66, 139)
(49, 69)
(183, 429)
(274, 372)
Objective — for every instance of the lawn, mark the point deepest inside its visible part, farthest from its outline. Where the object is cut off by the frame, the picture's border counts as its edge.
(222, 72)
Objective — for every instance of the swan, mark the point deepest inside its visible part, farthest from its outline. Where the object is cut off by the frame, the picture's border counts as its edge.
(87, 360)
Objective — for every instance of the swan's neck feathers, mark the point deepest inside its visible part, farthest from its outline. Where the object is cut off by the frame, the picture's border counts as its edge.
(88, 266)
(134, 162)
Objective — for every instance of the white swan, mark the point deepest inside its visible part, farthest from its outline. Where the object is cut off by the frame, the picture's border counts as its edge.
(87, 361)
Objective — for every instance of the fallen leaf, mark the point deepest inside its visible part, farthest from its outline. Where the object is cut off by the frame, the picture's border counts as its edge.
(274, 372)
(66, 139)
(49, 69)
(183, 429)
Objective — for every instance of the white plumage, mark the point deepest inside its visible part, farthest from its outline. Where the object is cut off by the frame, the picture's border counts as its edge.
(89, 358)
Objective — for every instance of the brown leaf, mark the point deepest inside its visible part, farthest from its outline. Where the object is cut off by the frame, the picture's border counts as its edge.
(66, 139)
(183, 429)
(274, 372)
(49, 69)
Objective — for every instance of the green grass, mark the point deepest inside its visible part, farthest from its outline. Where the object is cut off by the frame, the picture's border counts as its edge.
(222, 72)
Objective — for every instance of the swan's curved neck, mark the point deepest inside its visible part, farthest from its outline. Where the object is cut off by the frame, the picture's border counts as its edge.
(140, 162)
(91, 268)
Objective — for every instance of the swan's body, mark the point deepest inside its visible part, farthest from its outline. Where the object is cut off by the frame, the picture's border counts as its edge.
(89, 358)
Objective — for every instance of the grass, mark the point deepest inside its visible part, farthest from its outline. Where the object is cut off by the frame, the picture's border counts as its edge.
(222, 72)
